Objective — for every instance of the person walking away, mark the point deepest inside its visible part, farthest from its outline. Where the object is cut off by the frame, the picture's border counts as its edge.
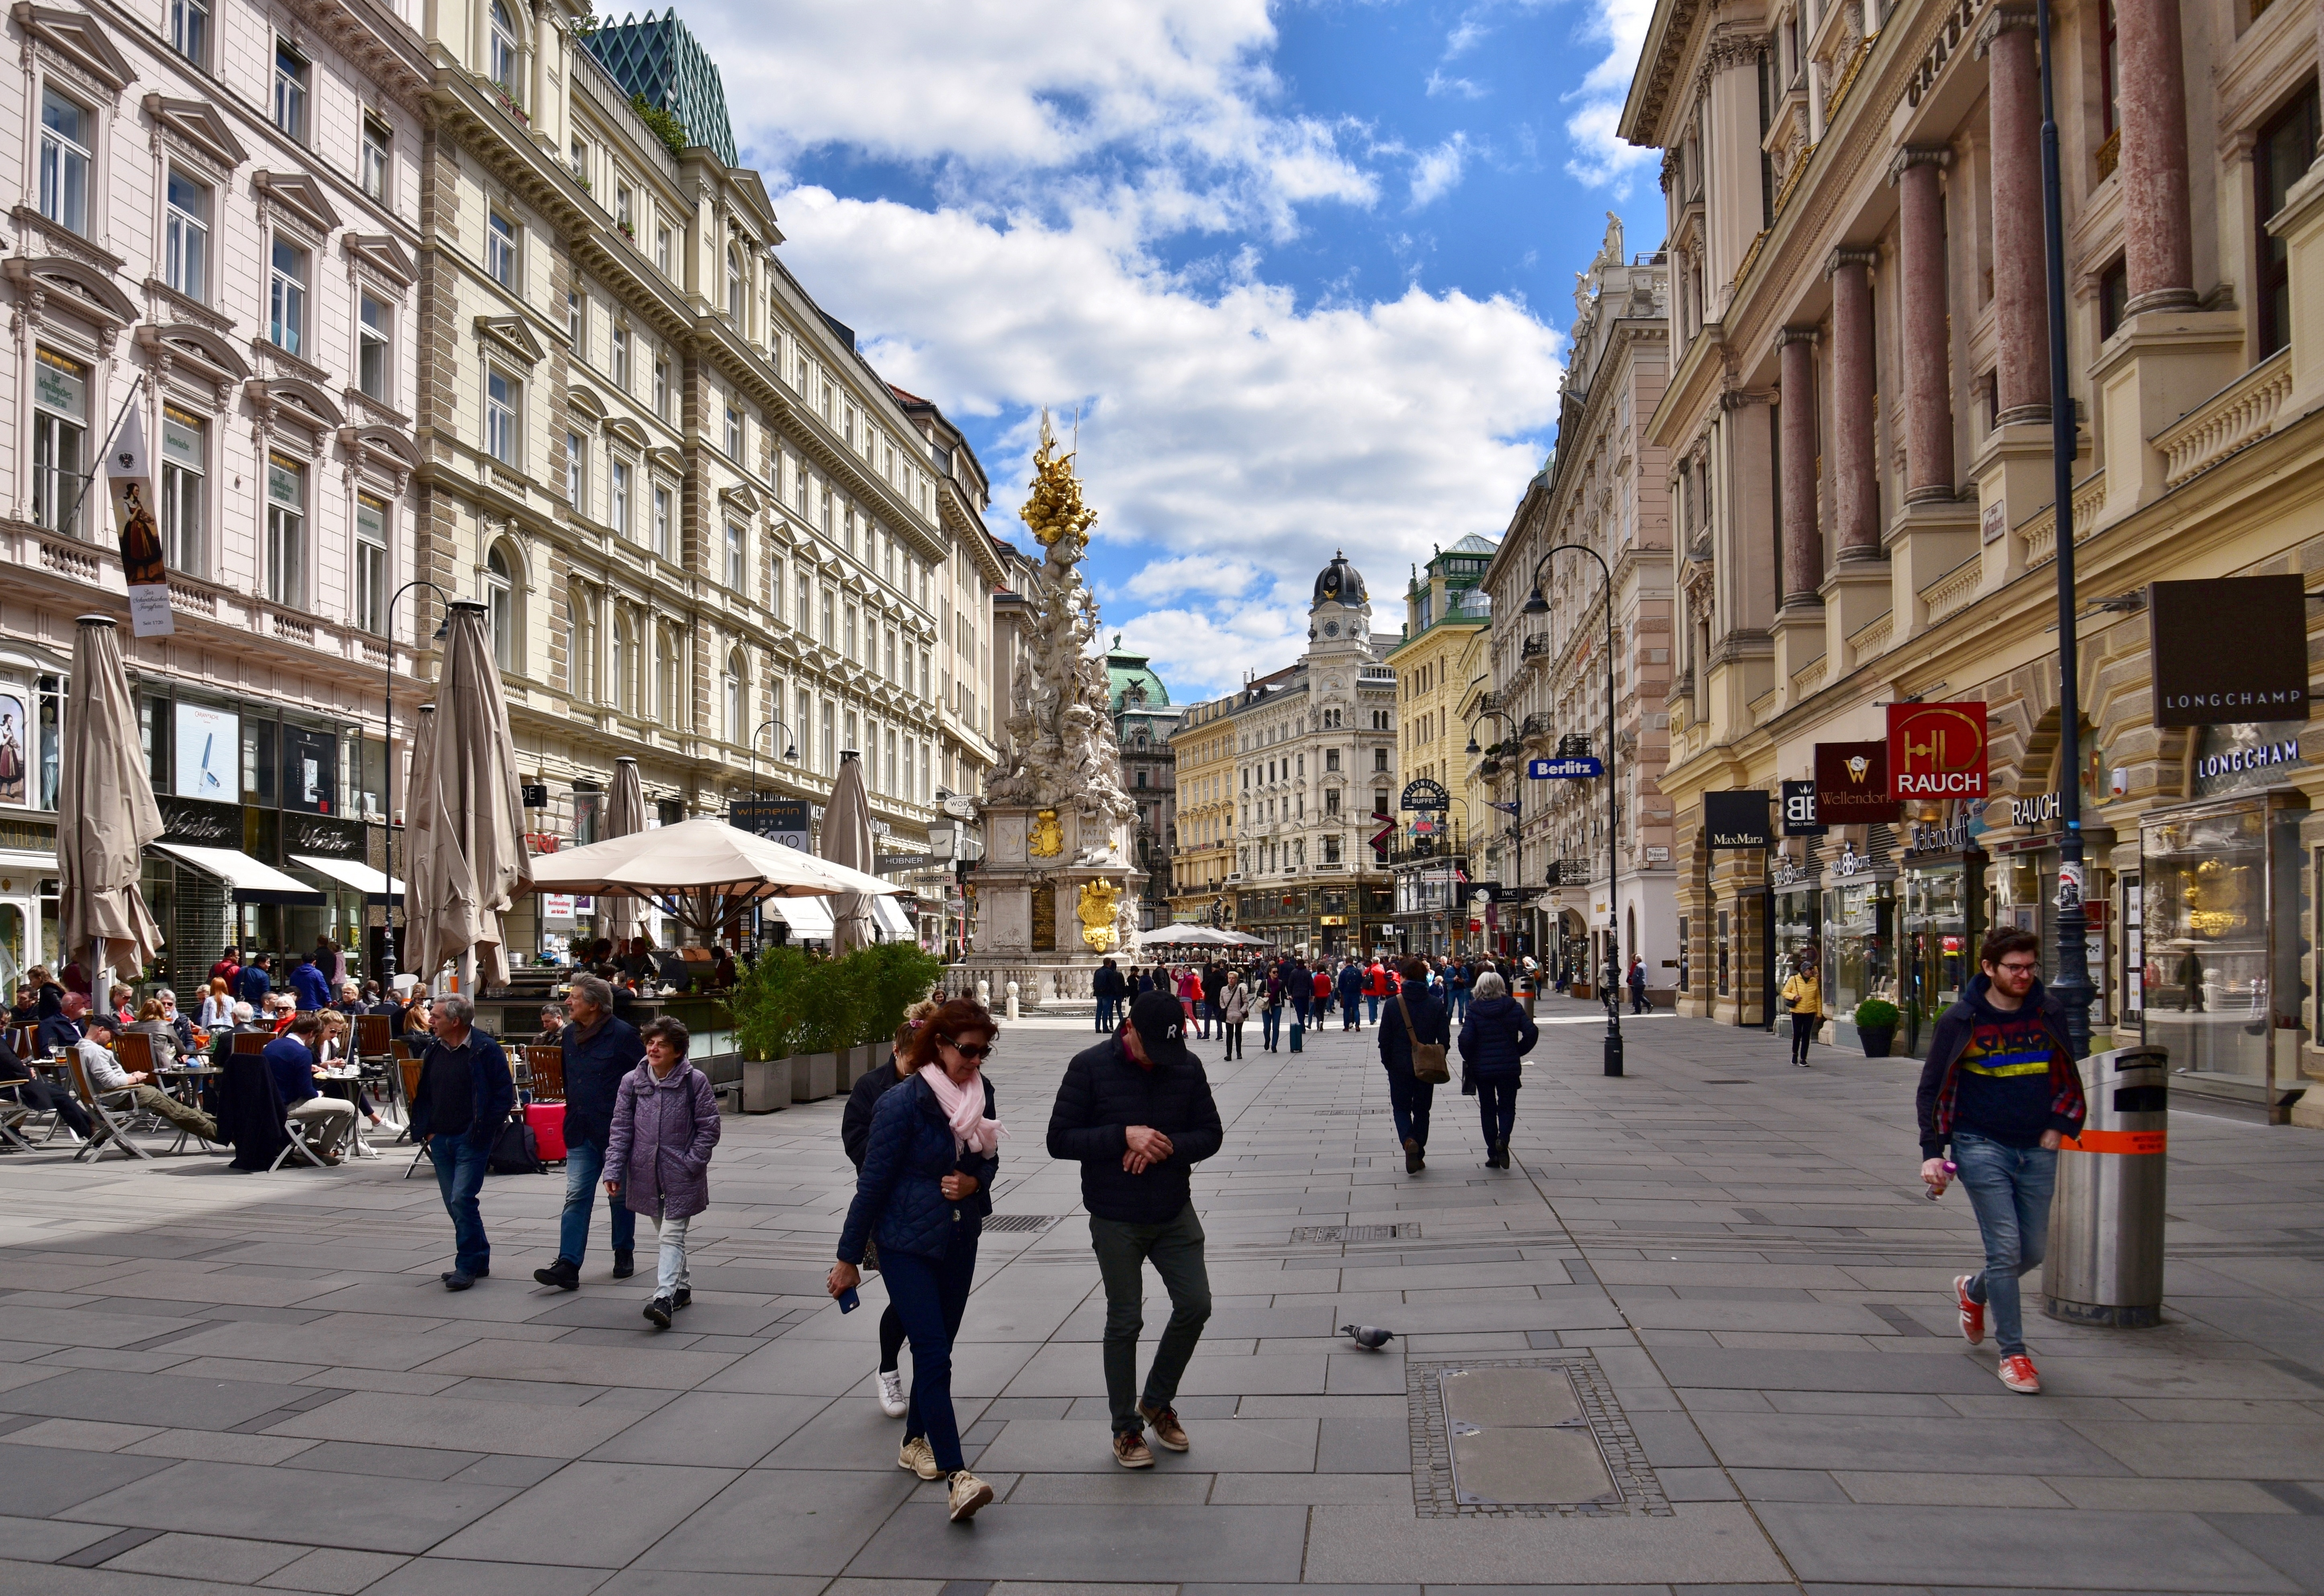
(1271, 1009)
(309, 984)
(1375, 987)
(1638, 1004)
(1234, 1009)
(924, 1192)
(1189, 988)
(289, 1059)
(854, 1134)
(1494, 1040)
(1802, 999)
(1108, 987)
(1414, 1014)
(664, 1123)
(2002, 1089)
(598, 1053)
(465, 1096)
(1136, 1114)
(1352, 996)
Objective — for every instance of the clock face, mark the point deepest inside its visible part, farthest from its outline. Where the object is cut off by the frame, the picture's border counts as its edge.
(1331, 629)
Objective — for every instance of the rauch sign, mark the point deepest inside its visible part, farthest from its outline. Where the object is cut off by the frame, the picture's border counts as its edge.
(1936, 750)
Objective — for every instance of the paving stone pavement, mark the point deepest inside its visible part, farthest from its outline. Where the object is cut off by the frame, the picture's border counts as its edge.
(212, 1380)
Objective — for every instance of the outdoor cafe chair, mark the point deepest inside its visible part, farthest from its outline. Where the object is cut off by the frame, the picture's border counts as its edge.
(544, 1071)
(407, 1069)
(114, 1121)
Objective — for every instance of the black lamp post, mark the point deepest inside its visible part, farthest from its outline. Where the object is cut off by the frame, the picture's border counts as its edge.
(387, 779)
(790, 746)
(1537, 605)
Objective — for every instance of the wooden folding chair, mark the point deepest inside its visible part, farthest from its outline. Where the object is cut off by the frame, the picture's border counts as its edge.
(114, 1122)
(251, 1041)
(407, 1069)
(545, 1067)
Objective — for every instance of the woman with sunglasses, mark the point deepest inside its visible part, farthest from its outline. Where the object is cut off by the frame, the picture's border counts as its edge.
(923, 1191)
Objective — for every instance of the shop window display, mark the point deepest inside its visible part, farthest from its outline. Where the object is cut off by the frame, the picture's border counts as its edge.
(2221, 960)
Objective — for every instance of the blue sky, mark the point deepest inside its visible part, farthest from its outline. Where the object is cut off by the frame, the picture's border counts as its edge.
(1303, 268)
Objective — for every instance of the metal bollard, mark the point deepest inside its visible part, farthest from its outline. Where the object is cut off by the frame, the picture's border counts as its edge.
(2105, 1263)
(1012, 1000)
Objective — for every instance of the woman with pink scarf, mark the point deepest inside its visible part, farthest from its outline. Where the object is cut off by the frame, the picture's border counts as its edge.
(922, 1193)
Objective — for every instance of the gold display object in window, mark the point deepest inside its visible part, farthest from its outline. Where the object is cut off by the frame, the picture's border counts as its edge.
(1098, 902)
(1048, 839)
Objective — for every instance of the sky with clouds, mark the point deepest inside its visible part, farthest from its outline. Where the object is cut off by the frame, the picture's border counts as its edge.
(1301, 267)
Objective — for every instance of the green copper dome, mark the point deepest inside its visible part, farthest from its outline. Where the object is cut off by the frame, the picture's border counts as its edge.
(1125, 672)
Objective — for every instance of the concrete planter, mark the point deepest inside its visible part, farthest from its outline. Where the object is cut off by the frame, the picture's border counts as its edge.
(766, 1084)
(870, 1057)
(814, 1076)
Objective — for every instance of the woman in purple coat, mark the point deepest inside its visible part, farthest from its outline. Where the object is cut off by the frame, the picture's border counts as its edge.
(657, 1156)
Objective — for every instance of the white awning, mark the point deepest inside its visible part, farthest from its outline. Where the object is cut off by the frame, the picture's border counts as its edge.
(809, 918)
(249, 880)
(893, 920)
(353, 872)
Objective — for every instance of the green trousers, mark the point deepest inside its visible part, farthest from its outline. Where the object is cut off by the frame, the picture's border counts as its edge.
(1174, 1248)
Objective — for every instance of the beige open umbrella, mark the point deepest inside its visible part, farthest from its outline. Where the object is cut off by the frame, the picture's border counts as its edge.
(105, 813)
(466, 837)
(847, 841)
(625, 816)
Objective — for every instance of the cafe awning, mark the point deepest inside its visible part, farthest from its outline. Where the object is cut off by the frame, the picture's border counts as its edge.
(809, 918)
(249, 880)
(893, 920)
(354, 872)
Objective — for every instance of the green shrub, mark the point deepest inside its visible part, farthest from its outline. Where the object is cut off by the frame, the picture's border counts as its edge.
(1876, 1014)
(900, 975)
(766, 1004)
(665, 125)
(792, 1003)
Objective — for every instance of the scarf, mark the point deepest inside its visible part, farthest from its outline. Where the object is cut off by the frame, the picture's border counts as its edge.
(963, 1110)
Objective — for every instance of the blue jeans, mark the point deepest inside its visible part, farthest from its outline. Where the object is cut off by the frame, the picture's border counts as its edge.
(671, 1278)
(1409, 1099)
(459, 1176)
(1106, 1010)
(1497, 1110)
(1352, 1013)
(1460, 1002)
(2009, 1188)
(1371, 1007)
(931, 1294)
(1270, 1028)
(585, 1165)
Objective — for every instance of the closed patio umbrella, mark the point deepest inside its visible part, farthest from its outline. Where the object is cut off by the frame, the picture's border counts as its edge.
(625, 816)
(466, 837)
(105, 813)
(847, 841)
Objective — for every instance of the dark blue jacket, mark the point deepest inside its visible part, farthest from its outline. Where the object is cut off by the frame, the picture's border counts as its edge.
(292, 1066)
(311, 987)
(254, 985)
(899, 1199)
(493, 1090)
(57, 1031)
(593, 1069)
(1352, 986)
(1496, 1038)
(1429, 1022)
(1104, 1093)
(1109, 983)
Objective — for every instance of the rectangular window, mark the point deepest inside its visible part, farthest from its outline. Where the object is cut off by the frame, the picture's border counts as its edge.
(185, 466)
(624, 207)
(500, 249)
(286, 531)
(289, 90)
(189, 30)
(801, 747)
(733, 433)
(2113, 294)
(661, 521)
(734, 557)
(618, 507)
(577, 159)
(286, 300)
(888, 641)
(830, 741)
(622, 358)
(662, 249)
(803, 615)
(661, 386)
(576, 473)
(501, 396)
(59, 441)
(371, 565)
(830, 619)
(67, 132)
(186, 251)
(855, 735)
(2285, 150)
(377, 140)
(371, 335)
(577, 320)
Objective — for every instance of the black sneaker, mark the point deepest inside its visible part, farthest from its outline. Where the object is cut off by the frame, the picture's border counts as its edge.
(658, 1311)
(685, 1296)
(456, 1279)
(625, 1264)
(564, 1274)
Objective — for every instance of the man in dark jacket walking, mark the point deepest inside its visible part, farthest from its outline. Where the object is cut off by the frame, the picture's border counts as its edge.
(2001, 1087)
(1410, 1096)
(1352, 996)
(1108, 988)
(1135, 1111)
(597, 1051)
(466, 1095)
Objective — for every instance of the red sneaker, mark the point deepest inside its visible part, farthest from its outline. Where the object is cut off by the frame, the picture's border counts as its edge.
(1972, 1314)
(2018, 1374)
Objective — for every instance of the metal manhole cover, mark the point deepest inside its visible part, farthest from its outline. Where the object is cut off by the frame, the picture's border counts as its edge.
(1525, 1438)
(1356, 1232)
(1020, 1222)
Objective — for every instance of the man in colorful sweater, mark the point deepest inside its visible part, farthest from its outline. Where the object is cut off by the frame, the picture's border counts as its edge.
(2002, 1089)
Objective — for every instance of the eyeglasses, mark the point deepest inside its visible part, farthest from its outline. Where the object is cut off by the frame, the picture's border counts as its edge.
(2016, 968)
(968, 1049)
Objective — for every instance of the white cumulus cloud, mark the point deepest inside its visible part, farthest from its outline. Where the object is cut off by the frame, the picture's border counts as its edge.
(1600, 157)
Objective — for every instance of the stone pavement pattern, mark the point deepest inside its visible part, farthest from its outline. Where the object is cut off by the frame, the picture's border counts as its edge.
(212, 1380)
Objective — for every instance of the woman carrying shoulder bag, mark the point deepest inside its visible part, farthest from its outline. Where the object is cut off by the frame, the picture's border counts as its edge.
(1415, 1031)
(1494, 1040)
(1234, 1007)
(1802, 999)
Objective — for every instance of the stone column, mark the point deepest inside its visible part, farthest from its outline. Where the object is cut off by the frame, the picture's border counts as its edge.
(1855, 470)
(1803, 533)
(2158, 242)
(2020, 305)
(1927, 329)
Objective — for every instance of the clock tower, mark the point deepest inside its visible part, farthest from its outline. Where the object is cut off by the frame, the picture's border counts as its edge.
(1340, 616)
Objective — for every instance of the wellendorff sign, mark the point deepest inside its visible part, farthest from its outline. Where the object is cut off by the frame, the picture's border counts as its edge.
(2230, 651)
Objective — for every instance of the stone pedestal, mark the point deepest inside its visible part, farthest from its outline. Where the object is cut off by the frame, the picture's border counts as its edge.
(1032, 855)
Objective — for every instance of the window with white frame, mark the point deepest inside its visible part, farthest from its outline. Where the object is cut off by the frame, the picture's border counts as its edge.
(581, 650)
(621, 372)
(625, 210)
(576, 473)
(736, 276)
(888, 785)
(371, 563)
(798, 485)
(505, 52)
(624, 662)
(830, 619)
(186, 241)
(577, 159)
(661, 386)
(502, 395)
(500, 607)
(59, 440)
(500, 249)
(661, 520)
(290, 71)
(661, 249)
(733, 433)
(67, 132)
(577, 321)
(378, 139)
(617, 502)
(735, 556)
(888, 640)
(669, 686)
(830, 739)
(185, 477)
(373, 334)
(731, 697)
(286, 295)
(803, 617)
(849, 649)
(286, 531)
(189, 30)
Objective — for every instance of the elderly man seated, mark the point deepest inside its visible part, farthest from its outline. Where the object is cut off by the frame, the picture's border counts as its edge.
(289, 1059)
(107, 1078)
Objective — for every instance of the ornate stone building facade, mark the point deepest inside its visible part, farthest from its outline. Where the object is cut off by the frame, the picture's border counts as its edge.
(1144, 720)
(1438, 661)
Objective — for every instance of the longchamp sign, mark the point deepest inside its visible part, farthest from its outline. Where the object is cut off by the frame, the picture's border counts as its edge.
(1936, 750)
(2230, 651)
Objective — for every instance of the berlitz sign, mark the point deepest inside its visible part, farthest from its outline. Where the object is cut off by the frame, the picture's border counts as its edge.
(2229, 650)
(1936, 750)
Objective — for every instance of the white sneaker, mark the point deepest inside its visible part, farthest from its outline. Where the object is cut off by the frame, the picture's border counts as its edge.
(891, 1393)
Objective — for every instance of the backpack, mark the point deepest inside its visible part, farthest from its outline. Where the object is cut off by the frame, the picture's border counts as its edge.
(516, 1151)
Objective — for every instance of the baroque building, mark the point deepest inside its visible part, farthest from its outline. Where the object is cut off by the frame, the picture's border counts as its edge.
(1143, 721)
(1438, 663)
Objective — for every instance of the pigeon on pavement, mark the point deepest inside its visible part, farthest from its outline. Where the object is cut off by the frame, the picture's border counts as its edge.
(1369, 1337)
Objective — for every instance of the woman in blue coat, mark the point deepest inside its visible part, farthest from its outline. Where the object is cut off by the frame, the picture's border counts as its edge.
(923, 1191)
(1494, 1040)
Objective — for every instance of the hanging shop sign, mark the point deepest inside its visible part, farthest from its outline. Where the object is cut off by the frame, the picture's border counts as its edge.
(1564, 769)
(1852, 784)
(1424, 794)
(1800, 814)
(201, 824)
(1936, 750)
(1736, 819)
(2229, 650)
(778, 820)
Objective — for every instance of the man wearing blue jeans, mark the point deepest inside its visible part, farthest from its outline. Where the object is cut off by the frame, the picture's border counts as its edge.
(465, 1096)
(2002, 1089)
(598, 1051)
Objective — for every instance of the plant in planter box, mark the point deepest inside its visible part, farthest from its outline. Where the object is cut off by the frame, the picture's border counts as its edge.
(1876, 1024)
(897, 975)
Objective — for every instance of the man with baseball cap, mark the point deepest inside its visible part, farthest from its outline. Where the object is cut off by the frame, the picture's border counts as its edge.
(1135, 1111)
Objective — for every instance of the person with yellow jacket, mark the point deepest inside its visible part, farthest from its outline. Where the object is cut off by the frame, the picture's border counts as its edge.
(1802, 999)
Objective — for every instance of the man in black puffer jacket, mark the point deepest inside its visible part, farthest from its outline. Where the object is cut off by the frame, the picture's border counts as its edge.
(1135, 1111)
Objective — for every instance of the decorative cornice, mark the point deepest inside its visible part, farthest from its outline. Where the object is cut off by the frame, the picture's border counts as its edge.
(1850, 255)
(300, 194)
(1939, 156)
(1743, 399)
(76, 36)
(198, 124)
(1809, 336)
(2000, 19)
(512, 335)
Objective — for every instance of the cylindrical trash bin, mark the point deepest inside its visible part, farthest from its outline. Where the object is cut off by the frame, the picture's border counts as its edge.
(2105, 1264)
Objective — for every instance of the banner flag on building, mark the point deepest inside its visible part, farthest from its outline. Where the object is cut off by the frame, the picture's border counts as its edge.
(129, 482)
(1936, 750)
(1852, 784)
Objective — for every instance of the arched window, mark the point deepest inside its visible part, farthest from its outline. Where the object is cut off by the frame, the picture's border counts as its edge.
(666, 701)
(735, 277)
(733, 696)
(501, 608)
(625, 664)
(506, 55)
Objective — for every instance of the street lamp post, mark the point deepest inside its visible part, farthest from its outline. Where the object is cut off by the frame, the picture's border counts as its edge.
(790, 746)
(387, 778)
(1535, 605)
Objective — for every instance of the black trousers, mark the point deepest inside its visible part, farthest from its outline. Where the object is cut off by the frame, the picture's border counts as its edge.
(1804, 1031)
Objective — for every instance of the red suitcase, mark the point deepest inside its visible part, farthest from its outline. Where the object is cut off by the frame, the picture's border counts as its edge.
(547, 1123)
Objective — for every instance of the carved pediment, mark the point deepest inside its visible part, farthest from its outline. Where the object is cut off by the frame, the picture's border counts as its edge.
(381, 255)
(668, 459)
(625, 430)
(512, 335)
(384, 445)
(197, 122)
(297, 399)
(300, 194)
(76, 36)
(584, 400)
(79, 285)
(744, 497)
(196, 348)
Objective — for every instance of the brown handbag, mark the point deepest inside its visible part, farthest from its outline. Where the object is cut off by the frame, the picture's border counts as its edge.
(1428, 1060)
